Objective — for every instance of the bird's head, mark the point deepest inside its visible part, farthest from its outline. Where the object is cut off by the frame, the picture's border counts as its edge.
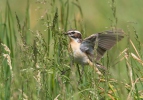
(74, 35)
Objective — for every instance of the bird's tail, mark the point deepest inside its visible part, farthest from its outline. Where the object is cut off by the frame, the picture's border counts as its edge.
(97, 67)
(101, 67)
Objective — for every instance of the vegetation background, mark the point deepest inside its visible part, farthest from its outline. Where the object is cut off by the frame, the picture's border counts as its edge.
(34, 60)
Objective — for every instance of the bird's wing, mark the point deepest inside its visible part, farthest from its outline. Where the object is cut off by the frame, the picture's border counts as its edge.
(101, 42)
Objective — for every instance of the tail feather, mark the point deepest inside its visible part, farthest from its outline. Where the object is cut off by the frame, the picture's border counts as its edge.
(101, 67)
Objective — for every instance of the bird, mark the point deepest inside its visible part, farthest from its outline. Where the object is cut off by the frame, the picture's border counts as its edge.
(90, 50)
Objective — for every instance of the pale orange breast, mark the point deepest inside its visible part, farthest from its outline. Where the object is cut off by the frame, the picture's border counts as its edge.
(79, 56)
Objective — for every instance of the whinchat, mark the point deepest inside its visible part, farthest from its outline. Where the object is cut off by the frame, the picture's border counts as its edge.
(91, 49)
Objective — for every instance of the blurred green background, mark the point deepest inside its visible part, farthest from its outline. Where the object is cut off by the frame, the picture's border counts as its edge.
(33, 31)
(97, 14)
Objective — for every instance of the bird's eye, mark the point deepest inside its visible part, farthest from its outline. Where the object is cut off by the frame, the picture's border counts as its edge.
(72, 32)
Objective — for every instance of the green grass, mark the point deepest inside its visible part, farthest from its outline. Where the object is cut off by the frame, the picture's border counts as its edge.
(34, 59)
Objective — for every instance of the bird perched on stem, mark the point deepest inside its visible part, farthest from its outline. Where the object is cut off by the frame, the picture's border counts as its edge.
(90, 50)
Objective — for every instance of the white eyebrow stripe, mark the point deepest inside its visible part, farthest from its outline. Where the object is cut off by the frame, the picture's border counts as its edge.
(77, 31)
(70, 31)
(74, 31)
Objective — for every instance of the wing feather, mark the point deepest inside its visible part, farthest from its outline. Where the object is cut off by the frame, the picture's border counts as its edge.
(104, 40)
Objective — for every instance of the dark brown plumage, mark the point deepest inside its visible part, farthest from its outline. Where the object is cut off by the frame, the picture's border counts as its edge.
(104, 41)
